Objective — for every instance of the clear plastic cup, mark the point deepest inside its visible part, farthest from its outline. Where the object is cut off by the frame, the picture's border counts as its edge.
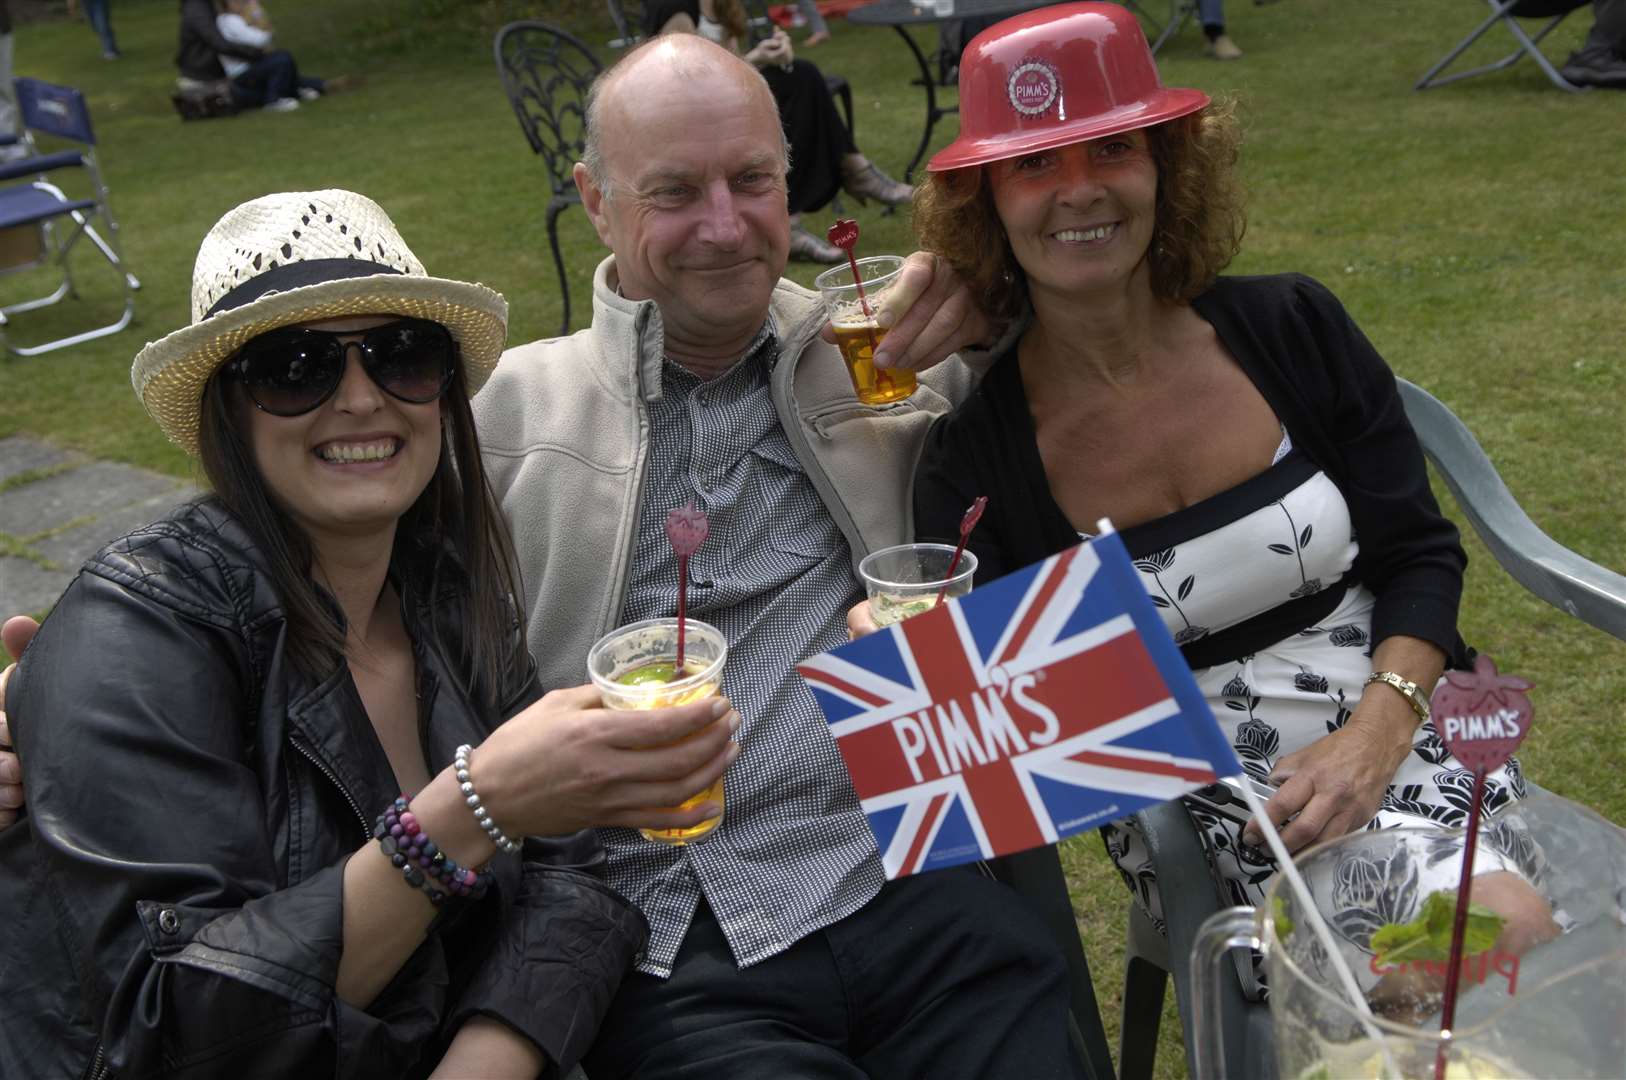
(857, 333)
(903, 581)
(633, 669)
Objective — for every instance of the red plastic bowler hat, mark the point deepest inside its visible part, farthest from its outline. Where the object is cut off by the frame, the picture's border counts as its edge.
(1056, 76)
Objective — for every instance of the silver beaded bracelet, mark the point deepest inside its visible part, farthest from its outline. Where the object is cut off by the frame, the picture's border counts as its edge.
(460, 764)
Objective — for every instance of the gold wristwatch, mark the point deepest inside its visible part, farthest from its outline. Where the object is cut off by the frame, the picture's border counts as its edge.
(1407, 690)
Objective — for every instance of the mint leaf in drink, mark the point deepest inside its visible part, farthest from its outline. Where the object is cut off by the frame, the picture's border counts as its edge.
(1284, 925)
(1428, 937)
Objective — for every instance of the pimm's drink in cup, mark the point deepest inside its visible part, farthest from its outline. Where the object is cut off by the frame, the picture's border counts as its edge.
(904, 581)
(635, 667)
(857, 334)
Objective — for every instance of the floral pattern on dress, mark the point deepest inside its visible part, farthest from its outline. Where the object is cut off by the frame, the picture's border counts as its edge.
(1155, 565)
(1286, 695)
(1308, 586)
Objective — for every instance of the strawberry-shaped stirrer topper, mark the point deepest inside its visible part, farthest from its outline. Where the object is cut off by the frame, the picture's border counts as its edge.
(686, 529)
(1482, 716)
(844, 235)
(973, 514)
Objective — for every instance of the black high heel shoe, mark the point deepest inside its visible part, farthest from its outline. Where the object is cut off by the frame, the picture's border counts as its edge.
(871, 183)
(805, 247)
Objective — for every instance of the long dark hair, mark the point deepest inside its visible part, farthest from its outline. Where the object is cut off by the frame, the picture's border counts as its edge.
(454, 526)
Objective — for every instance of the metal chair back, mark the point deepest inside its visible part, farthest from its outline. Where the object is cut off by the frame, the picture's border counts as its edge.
(546, 72)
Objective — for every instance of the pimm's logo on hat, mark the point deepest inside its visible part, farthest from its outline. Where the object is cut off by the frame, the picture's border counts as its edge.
(1033, 87)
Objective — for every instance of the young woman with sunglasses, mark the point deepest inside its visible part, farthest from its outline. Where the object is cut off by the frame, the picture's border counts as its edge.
(217, 872)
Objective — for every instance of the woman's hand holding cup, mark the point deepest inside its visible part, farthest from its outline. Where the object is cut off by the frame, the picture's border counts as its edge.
(567, 763)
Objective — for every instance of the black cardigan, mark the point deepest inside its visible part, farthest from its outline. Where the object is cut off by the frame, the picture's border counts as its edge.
(1327, 385)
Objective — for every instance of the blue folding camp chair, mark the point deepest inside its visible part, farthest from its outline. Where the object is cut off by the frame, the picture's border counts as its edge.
(57, 220)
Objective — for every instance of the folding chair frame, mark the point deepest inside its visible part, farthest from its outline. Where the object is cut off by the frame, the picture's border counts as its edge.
(60, 111)
(1166, 28)
(1501, 12)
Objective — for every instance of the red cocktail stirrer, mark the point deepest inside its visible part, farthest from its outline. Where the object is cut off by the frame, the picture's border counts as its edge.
(1482, 716)
(973, 514)
(844, 235)
(686, 529)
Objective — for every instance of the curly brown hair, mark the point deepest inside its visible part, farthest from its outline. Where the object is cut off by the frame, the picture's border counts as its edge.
(1200, 216)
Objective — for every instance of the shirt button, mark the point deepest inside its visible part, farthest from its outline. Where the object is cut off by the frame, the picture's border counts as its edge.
(168, 921)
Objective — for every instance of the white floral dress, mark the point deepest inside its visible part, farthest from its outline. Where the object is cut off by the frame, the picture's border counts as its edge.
(1273, 548)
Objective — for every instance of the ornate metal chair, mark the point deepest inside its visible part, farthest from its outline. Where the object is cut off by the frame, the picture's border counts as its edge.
(545, 73)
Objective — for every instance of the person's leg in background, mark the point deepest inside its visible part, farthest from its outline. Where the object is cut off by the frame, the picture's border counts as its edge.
(101, 21)
(1601, 60)
(817, 30)
(269, 83)
(1211, 13)
(10, 117)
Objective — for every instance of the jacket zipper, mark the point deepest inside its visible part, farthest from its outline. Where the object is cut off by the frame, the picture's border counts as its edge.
(310, 756)
(98, 1064)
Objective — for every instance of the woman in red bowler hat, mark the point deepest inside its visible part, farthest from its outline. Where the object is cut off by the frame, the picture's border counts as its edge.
(1241, 433)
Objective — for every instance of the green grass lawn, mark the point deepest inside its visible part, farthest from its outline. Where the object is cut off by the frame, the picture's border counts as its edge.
(1475, 232)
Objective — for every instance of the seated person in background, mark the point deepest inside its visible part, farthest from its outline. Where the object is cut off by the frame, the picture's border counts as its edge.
(221, 702)
(246, 22)
(201, 48)
(270, 81)
(1240, 432)
(823, 157)
(1601, 60)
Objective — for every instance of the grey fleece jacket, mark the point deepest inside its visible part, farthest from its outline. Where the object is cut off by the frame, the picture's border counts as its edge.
(566, 435)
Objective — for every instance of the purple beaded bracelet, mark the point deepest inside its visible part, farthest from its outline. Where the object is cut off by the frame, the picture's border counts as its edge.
(420, 859)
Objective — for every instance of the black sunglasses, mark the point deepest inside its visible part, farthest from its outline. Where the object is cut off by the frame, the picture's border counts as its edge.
(291, 371)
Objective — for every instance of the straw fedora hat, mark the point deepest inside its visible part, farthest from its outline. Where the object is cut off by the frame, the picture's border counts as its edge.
(296, 257)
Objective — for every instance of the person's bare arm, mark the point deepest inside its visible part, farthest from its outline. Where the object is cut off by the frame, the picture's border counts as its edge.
(490, 1049)
(1336, 784)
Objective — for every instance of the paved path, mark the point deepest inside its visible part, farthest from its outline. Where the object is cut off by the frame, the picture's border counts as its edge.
(58, 508)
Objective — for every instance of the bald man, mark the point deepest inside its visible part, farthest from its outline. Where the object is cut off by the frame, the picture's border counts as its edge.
(777, 948)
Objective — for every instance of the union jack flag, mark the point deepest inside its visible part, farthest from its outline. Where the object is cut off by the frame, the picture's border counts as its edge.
(1034, 707)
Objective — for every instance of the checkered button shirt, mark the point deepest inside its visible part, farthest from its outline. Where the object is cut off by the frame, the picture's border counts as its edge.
(794, 852)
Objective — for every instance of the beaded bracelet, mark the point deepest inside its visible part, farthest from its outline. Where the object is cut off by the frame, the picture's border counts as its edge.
(420, 859)
(460, 763)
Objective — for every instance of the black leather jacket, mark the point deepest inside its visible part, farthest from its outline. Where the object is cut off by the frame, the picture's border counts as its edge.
(172, 904)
